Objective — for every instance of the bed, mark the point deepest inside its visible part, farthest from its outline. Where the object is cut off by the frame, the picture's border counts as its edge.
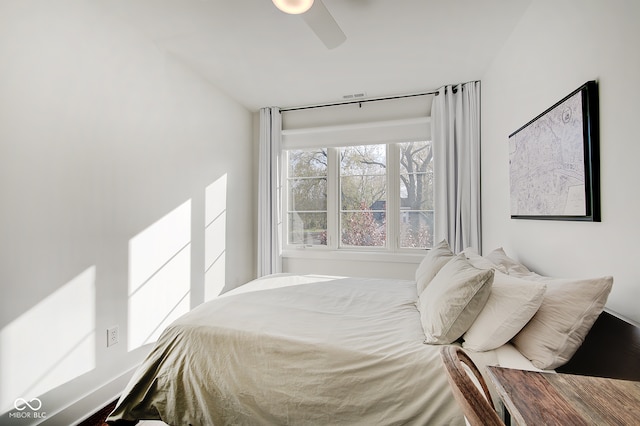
(308, 350)
(295, 350)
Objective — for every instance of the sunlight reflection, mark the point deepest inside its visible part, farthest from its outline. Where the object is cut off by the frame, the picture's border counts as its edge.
(215, 237)
(50, 344)
(159, 276)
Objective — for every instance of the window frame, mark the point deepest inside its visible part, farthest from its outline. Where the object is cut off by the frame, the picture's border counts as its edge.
(286, 200)
(314, 133)
(339, 212)
(393, 205)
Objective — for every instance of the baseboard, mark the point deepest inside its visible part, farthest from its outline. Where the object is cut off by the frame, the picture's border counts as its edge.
(93, 401)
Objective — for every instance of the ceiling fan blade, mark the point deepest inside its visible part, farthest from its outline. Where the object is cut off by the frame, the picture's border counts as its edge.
(323, 24)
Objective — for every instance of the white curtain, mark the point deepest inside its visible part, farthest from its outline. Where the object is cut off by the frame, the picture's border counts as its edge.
(269, 258)
(455, 124)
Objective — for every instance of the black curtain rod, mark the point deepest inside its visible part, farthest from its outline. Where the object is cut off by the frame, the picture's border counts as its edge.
(358, 102)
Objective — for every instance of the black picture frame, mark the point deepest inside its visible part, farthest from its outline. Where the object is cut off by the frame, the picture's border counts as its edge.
(554, 161)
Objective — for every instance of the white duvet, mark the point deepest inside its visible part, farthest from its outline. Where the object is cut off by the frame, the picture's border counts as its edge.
(296, 350)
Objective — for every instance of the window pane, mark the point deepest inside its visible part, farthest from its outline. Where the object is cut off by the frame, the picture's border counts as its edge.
(364, 229)
(416, 195)
(308, 194)
(363, 195)
(363, 160)
(308, 163)
(416, 191)
(363, 192)
(416, 229)
(307, 197)
(308, 228)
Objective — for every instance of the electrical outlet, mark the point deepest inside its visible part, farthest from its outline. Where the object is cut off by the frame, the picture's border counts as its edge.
(112, 336)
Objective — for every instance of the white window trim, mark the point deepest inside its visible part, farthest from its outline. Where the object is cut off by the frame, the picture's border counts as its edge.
(390, 133)
(414, 257)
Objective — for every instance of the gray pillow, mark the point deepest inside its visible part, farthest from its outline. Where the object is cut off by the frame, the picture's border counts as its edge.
(482, 262)
(437, 257)
(453, 300)
(568, 310)
(512, 267)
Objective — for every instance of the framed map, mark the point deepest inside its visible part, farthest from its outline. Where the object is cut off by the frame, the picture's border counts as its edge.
(554, 161)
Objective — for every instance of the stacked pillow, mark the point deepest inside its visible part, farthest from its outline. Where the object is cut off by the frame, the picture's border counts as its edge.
(452, 292)
(545, 318)
(512, 303)
(437, 257)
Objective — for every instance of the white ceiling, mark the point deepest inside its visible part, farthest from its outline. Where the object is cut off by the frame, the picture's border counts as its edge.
(263, 57)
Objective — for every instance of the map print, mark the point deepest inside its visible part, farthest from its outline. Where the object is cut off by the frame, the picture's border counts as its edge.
(546, 161)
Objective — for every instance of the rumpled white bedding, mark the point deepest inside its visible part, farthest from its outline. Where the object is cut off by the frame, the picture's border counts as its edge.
(307, 351)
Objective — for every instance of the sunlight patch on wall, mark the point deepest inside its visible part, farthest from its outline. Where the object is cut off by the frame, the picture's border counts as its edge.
(159, 276)
(215, 237)
(50, 344)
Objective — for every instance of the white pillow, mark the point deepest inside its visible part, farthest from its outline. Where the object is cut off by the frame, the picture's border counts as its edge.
(511, 304)
(453, 299)
(481, 262)
(569, 309)
(437, 257)
(513, 267)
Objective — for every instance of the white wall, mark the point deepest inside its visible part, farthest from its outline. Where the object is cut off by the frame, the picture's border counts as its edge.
(556, 47)
(116, 164)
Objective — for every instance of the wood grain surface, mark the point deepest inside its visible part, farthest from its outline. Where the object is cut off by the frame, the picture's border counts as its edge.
(535, 398)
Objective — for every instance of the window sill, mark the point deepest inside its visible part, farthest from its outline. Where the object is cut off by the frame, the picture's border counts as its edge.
(355, 255)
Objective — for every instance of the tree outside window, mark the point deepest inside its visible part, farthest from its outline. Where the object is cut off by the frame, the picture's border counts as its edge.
(362, 207)
(307, 190)
(416, 195)
(363, 193)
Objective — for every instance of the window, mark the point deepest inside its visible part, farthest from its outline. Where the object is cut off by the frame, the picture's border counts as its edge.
(373, 197)
(307, 197)
(363, 192)
(416, 195)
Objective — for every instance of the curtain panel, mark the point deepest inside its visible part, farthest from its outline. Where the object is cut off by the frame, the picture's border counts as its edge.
(455, 123)
(269, 187)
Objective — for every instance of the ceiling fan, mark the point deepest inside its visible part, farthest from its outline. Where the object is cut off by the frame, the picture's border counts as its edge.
(316, 15)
